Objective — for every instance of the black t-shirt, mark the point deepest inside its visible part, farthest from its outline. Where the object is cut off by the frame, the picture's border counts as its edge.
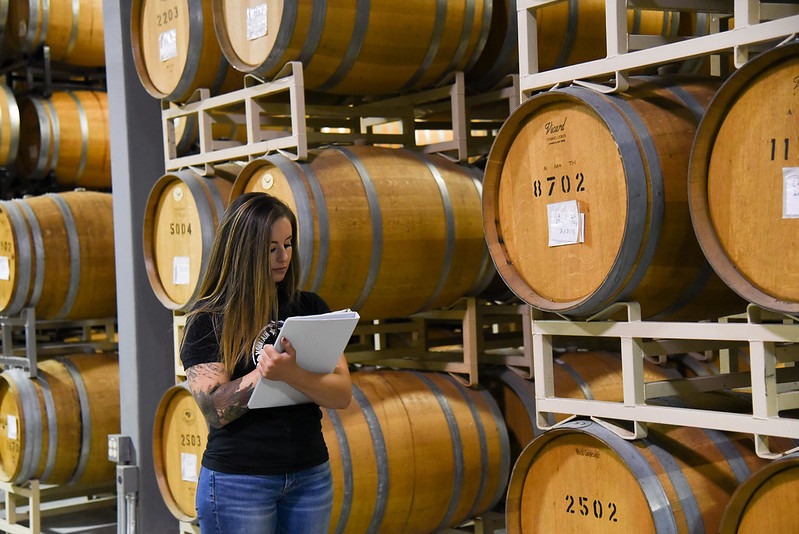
(264, 441)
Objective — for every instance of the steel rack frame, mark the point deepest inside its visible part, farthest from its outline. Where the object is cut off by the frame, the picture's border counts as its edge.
(755, 22)
(772, 340)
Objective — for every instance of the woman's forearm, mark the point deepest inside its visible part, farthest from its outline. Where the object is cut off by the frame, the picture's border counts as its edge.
(222, 402)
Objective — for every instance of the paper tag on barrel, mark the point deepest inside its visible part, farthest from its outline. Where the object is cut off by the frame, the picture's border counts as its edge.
(566, 223)
(256, 22)
(790, 193)
(181, 270)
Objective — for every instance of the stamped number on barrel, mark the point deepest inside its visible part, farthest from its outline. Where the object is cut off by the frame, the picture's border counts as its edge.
(179, 229)
(565, 184)
(588, 507)
(775, 149)
(167, 16)
(190, 440)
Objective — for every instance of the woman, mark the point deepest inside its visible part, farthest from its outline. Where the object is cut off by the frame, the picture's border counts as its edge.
(264, 470)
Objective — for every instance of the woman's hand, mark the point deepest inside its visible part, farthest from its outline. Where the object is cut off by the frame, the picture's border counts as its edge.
(276, 365)
(329, 390)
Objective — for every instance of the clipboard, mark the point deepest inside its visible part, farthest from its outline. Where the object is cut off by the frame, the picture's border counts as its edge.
(319, 341)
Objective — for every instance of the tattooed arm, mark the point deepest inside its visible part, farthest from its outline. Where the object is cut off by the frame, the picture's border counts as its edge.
(220, 399)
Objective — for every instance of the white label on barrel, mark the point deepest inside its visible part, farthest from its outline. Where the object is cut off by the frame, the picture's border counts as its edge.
(12, 427)
(188, 467)
(180, 270)
(790, 193)
(5, 268)
(256, 22)
(565, 223)
(168, 44)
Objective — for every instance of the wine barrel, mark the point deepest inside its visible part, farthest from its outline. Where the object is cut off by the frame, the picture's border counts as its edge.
(179, 438)
(384, 474)
(585, 202)
(764, 502)
(72, 29)
(9, 126)
(748, 227)
(56, 425)
(414, 452)
(408, 226)
(581, 476)
(176, 51)
(354, 47)
(568, 33)
(67, 134)
(57, 255)
(180, 220)
(595, 375)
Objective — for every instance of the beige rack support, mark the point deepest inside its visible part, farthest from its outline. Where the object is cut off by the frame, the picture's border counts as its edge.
(189, 528)
(178, 324)
(772, 340)
(473, 332)
(278, 117)
(63, 337)
(755, 22)
(42, 501)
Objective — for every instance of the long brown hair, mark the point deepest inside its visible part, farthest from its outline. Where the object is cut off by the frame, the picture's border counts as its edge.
(237, 285)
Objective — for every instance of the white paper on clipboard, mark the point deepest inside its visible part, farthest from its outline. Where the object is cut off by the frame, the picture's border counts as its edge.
(319, 341)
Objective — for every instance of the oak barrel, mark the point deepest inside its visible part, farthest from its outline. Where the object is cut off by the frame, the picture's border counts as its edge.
(387, 232)
(581, 476)
(353, 47)
(180, 220)
(568, 33)
(57, 255)
(55, 427)
(414, 452)
(176, 51)
(385, 474)
(67, 134)
(72, 29)
(765, 501)
(585, 202)
(744, 180)
(179, 438)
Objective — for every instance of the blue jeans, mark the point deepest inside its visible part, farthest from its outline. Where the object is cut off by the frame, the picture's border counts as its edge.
(300, 502)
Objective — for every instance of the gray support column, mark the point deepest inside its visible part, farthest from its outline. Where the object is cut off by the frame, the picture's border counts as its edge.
(146, 362)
